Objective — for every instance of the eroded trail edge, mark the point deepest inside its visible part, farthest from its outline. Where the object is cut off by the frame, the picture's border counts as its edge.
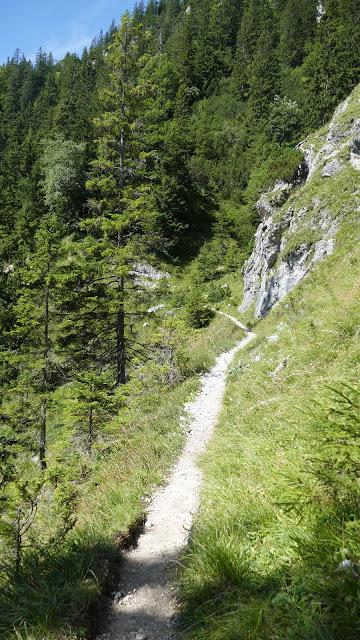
(145, 606)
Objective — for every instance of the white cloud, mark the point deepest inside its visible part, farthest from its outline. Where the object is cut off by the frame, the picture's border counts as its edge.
(81, 32)
(78, 39)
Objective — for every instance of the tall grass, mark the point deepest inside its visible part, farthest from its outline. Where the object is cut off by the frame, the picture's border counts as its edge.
(58, 592)
(275, 552)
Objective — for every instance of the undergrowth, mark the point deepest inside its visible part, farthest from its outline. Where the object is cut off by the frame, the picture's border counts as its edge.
(57, 591)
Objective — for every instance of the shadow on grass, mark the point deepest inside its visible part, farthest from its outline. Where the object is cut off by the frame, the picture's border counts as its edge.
(302, 601)
(65, 593)
(62, 593)
(55, 592)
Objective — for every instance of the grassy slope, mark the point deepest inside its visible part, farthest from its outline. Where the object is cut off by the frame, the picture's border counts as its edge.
(256, 569)
(52, 598)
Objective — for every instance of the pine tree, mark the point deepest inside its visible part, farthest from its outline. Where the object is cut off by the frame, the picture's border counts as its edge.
(264, 72)
(333, 63)
(33, 334)
(121, 227)
(94, 404)
(297, 28)
(247, 39)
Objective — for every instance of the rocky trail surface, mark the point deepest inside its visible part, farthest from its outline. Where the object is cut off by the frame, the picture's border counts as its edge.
(145, 608)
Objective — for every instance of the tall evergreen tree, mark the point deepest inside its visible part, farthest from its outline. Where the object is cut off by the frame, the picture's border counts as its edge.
(33, 335)
(121, 226)
(333, 63)
(297, 27)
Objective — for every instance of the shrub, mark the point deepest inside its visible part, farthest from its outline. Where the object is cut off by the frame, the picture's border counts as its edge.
(235, 222)
(336, 465)
(281, 163)
(198, 315)
(285, 120)
(218, 293)
(218, 256)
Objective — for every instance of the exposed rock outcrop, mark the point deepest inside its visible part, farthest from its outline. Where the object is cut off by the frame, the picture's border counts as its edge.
(271, 272)
(355, 153)
(331, 169)
(320, 12)
(339, 137)
(145, 275)
(291, 239)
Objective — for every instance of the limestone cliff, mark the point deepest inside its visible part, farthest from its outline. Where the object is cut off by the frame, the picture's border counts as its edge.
(299, 223)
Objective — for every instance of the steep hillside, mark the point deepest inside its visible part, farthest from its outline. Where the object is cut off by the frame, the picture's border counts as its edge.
(275, 552)
(299, 224)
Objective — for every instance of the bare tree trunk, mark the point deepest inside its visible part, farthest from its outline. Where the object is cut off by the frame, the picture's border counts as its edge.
(91, 430)
(122, 160)
(42, 439)
(18, 541)
(43, 426)
(120, 323)
(120, 337)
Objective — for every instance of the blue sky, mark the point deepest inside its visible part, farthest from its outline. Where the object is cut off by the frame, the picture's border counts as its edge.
(55, 25)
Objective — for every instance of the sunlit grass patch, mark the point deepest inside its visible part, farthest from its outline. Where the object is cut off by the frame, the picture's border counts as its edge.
(274, 552)
(57, 593)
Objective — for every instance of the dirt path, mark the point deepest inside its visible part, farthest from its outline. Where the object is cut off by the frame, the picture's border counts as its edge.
(145, 606)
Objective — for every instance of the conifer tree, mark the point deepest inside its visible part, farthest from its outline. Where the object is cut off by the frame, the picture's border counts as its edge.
(33, 334)
(121, 227)
(94, 403)
(297, 27)
(247, 38)
(333, 62)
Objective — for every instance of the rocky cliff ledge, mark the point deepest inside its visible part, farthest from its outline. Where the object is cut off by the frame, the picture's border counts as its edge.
(299, 223)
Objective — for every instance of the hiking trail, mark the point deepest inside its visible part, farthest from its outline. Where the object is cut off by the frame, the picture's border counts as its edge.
(145, 608)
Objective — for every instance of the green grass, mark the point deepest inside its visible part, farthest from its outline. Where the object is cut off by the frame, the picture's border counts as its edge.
(56, 595)
(265, 551)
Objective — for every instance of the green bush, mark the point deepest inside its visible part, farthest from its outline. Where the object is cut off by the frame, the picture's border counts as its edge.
(285, 120)
(178, 297)
(198, 315)
(218, 293)
(218, 256)
(335, 465)
(281, 164)
(235, 222)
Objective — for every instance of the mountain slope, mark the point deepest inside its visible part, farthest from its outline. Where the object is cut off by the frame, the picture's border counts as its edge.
(275, 550)
(299, 225)
(145, 154)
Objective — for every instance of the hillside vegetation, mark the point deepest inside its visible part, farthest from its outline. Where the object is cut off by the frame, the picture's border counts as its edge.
(275, 551)
(129, 178)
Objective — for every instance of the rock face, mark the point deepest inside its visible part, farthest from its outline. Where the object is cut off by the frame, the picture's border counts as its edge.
(320, 12)
(331, 169)
(267, 278)
(339, 138)
(355, 153)
(147, 276)
(278, 262)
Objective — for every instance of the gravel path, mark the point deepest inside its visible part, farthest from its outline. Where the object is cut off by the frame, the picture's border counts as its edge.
(145, 607)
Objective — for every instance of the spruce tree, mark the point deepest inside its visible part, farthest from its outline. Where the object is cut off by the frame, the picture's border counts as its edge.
(121, 226)
(33, 334)
(297, 28)
(333, 62)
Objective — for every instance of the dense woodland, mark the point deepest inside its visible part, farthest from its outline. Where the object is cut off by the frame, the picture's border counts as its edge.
(150, 147)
